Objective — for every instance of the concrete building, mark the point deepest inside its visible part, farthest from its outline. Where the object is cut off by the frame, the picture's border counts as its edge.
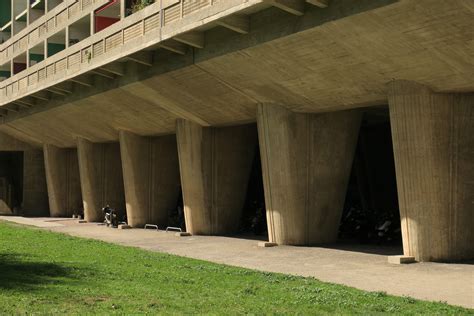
(105, 102)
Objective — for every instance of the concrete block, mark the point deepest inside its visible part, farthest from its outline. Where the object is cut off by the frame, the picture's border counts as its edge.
(266, 244)
(123, 226)
(401, 259)
(182, 234)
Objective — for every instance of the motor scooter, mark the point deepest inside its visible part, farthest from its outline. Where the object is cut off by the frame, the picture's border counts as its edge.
(110, 217)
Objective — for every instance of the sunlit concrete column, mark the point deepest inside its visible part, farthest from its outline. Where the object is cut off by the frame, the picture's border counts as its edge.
(62, 179)
(433, 142)
(215, 166)
(101, 178)
(306, 164)
(151, 178)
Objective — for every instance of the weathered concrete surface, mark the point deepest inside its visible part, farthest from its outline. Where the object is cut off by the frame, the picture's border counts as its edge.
(100, 169)
(9, 143)
(355, 266)
(215, 168)
(306, 164)
(151, 178)
(329, 59)
(35, 191)
(62, 179)
(433, 142)
(35, 195)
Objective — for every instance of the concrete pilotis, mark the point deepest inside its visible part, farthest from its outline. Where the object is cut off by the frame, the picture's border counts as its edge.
(151, 178)
(433, 141)
(215, 166)
(62, 179)
(306, 164)
(101, 178)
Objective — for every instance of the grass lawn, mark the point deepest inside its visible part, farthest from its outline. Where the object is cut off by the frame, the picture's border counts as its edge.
(44, 272)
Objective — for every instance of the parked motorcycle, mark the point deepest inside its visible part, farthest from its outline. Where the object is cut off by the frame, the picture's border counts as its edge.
(111, 218)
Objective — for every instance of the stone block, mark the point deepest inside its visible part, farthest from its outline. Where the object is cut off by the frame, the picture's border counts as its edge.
(401, 259)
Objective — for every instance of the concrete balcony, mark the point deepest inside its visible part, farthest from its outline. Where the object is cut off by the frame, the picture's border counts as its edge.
(46, 25)
(168, 24)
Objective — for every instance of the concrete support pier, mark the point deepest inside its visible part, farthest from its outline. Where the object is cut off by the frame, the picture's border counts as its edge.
(306, 164)
(151, 178)
(62, 179)
(101, 178)
(215, 166)
(433, 140)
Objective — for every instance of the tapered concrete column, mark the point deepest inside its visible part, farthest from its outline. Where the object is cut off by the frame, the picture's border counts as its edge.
(215, 167)
(433, 142)
(101, 178)
(306, 164)
(62, 179)
(151, 177)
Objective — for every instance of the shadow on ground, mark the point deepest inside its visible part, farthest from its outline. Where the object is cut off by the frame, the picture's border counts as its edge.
(20, 272)
(383, 250)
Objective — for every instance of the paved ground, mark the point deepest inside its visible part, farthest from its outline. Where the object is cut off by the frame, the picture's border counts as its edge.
(361, 267)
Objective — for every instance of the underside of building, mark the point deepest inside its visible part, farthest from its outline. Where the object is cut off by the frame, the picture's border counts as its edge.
(281, 117)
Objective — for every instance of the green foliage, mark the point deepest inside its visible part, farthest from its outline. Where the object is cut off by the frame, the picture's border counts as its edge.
(49, 273)
(138, 5)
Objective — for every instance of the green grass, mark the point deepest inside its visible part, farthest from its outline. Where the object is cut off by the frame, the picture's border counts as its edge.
(49, 273)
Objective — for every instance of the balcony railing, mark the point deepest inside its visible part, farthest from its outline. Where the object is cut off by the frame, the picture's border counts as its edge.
(158, 22)
(45, 26)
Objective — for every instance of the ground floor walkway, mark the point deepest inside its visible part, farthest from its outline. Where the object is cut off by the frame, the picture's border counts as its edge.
(357, 266)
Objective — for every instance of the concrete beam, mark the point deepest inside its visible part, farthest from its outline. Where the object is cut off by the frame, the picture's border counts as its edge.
(143, 58)
(25, 103)
(62, 179)
(55, 91)
(174, 46)
(433, 142)
(86, 80)
(100, 169)
(102, 73)
(194, 39)
(28, 101)
(66, 87)
(117, 69)
(237, 23)
(151, 178)
(215, 166)
(295, 7)
(12, 108)
(319, 3)
(306, 164)
(42, 95)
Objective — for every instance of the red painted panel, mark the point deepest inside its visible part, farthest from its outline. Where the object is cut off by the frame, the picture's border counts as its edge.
(102, 22)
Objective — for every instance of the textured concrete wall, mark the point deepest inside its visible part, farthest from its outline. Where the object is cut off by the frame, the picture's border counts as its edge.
(433, 141)
(62, 179)
(306, 164)
(100, 168)
(151, 178)
(215, 167)
(35, 195)
(8, 143)
(35, 192)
